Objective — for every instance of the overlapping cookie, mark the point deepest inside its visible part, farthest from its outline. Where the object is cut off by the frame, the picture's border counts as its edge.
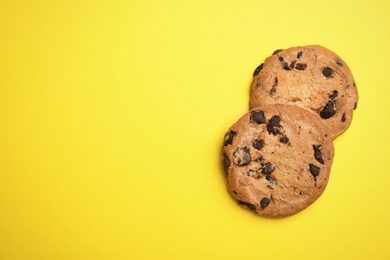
(278, 156)
(311, 77)
(277, 159)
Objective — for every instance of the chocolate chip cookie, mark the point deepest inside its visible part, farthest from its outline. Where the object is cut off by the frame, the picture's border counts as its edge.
(311, 77)
(277, 159)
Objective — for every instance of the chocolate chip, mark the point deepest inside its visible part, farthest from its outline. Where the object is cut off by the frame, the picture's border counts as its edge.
(327, 72)
(258, 69)
(257, 116)
(275, 81)
(242, 156)
(277, 51)
(300, 66)
(318, 154)
(260, 158)
(249, 205)
(270, 179)
(284, 140)
(226, 163)
(273, 125)
(228, 139)
(355, 106)
(235, 192)
(264, 202)
(273, 88)
(292, 64)
(267, 169)
(314, 170)
(329, 110)
(285, 65)
(343, 118)
(299, 55)
(258, 144)
(334, 94)
(338, 62)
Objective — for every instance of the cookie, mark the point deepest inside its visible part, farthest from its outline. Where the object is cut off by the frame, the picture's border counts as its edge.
(277, 159)
(311, 77)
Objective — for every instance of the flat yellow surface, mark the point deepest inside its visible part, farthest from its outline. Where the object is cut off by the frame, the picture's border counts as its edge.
(112, 115)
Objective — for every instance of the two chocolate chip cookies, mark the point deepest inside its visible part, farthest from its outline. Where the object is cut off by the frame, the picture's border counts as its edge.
(278, 156)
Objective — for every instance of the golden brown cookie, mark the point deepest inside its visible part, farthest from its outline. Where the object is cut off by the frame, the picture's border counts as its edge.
(311, 77)
(277, 159)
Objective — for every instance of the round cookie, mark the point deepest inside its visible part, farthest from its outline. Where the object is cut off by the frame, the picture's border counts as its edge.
(312, 77)
(277, 159)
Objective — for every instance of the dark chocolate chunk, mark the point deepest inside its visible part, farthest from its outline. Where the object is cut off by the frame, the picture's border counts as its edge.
(242, 156)
(277, 51)
(343, 118)
(355, 106)
(318, 154)
(270, 179)
(275, 81)
(281, 59)
(260, 158)
(300, 66)
(249, 205)
(327, 72)
(285, 65)
(283, 140)
(267, 169)
(273, 88)
(228, 139)
(226, 163)
(264, 202)
(273, 125)
(314, 170)
(299, 55)
(292, 64)
(329, 110)
(258, 144)
(258, 69)
(257, 116)
(334, 94)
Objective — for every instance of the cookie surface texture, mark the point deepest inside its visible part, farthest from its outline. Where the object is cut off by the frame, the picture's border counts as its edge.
(311, 77)
(277, 159)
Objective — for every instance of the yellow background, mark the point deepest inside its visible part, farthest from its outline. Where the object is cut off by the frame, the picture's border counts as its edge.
(112, 115)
